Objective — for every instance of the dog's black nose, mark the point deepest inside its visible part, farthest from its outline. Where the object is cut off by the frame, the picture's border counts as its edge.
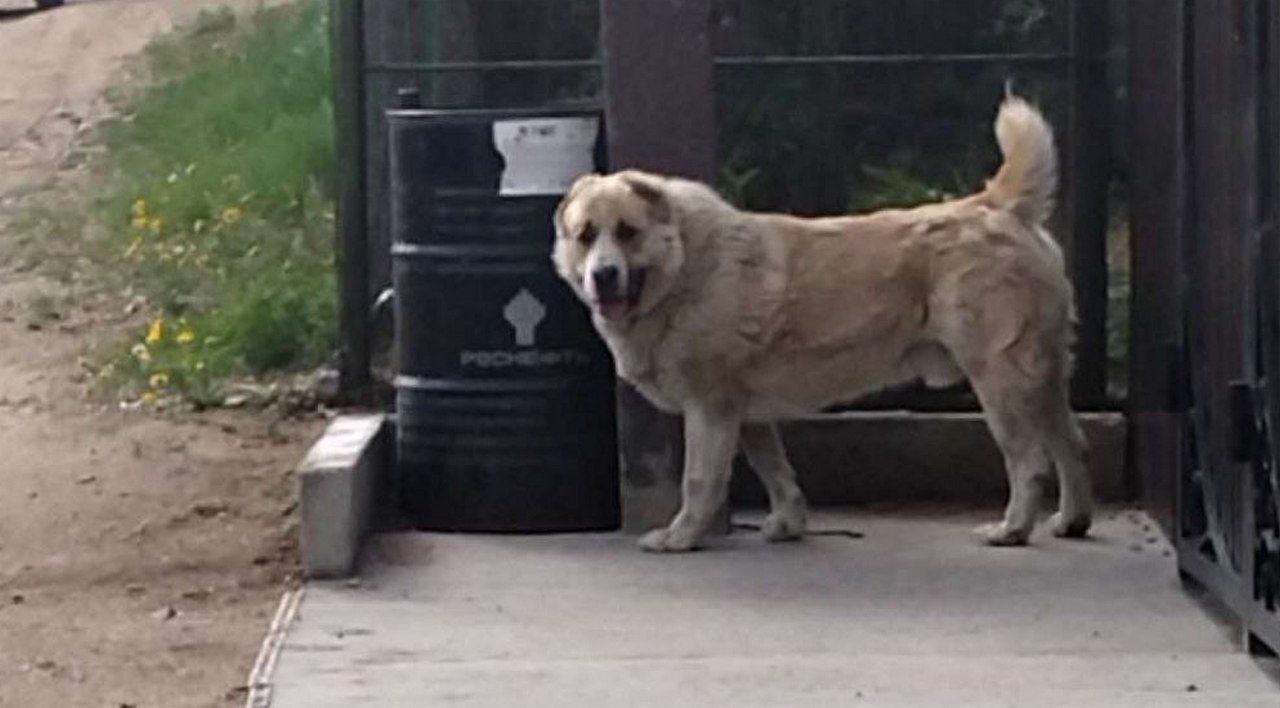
(605, 280)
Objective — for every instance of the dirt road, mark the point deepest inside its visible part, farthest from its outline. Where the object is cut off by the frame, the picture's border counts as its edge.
(140, 555)
(54, 66)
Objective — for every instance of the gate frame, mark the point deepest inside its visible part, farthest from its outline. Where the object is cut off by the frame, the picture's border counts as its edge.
(1202, 89)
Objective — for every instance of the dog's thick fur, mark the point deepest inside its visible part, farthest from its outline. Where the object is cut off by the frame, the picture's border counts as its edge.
(737, 319)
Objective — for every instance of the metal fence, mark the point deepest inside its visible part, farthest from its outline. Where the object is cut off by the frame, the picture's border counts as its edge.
(1206, 337)
(817, 107)
(455, 54)
(848, 105)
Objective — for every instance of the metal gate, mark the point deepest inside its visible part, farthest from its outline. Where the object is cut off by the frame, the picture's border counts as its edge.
(1209, 237)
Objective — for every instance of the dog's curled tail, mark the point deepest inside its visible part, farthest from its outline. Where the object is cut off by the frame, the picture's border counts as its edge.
(1028, 179)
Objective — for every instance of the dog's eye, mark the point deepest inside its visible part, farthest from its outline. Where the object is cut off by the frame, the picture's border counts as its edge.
(624, 232)
(588, 234)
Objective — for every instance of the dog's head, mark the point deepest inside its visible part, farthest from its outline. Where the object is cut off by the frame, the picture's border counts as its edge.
(618, 244)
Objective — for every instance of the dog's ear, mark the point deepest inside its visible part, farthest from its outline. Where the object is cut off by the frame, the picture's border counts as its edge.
(578, 184)
(652, 193)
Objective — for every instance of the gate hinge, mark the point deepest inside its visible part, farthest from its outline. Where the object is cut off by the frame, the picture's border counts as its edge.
(1244, 420)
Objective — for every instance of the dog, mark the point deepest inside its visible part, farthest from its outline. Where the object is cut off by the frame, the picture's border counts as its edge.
(736, 319)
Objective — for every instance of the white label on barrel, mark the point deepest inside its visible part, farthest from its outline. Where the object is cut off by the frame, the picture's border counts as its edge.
(544, 155)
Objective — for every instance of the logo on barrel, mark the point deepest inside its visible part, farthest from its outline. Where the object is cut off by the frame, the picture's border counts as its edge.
(524, 313)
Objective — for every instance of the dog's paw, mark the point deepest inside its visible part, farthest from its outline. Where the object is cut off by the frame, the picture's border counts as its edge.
(668, 540)
(1074, 526)
(1001, 534)
(784, 525)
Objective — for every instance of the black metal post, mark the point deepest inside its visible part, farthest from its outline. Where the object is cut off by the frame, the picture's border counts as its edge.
(347, 28)
(1088, 166)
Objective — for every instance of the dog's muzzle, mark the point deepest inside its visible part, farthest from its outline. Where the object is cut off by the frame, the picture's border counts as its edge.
(616, 296)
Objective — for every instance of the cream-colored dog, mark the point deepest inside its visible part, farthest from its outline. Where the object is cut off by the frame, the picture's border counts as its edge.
(738, 319)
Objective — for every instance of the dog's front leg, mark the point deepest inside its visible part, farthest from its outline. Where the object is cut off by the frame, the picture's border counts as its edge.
(710, 440)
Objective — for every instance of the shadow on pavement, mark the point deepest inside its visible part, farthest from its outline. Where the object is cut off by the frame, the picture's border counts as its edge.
(7, 14)
(16, 13)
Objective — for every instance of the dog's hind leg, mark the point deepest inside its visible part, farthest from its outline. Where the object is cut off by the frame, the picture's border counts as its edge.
(1027, 411)
(1012, 416)
(710, 441)
(768, 457)
(1066, 445)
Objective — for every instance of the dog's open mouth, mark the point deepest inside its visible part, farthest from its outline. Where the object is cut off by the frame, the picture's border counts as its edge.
(617, 305)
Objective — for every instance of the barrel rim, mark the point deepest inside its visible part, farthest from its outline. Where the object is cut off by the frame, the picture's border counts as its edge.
(431, 384)
(471, 115)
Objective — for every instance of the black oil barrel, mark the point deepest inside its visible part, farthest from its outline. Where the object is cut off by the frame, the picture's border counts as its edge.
(505, 395)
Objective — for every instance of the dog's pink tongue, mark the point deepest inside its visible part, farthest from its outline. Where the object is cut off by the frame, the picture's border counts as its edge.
(613, 309)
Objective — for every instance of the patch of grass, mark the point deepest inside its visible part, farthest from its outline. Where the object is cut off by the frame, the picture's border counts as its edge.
(218, 207)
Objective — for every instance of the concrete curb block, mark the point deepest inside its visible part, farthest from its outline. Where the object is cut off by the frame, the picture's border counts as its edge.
(885, 456)
(339, 479)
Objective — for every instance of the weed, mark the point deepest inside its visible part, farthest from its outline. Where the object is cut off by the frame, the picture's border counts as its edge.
(218, 203)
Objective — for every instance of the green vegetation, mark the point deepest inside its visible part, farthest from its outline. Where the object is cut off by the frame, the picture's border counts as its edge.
(217, 203)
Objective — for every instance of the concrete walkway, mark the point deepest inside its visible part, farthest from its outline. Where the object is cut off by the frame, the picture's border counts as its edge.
(913, 614)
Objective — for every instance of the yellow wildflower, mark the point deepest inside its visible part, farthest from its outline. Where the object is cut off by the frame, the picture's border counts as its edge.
(155, 333)
(232, 214)
(139, 223)
(156, 224)
(150, 398)
(159, 380)
(140, 207)
(141, 353)
(186, 336)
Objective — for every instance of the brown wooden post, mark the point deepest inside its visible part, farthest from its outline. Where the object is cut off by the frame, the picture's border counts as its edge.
(659, 116)
(1157, 208)
(659, 86)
